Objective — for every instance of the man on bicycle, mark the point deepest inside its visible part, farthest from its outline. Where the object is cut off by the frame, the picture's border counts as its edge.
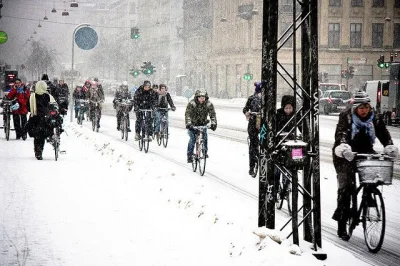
(95, 96)
(163, 99)
(356, 131)
(253, 104)
(144, 99)
(196, 114)
(122, 93)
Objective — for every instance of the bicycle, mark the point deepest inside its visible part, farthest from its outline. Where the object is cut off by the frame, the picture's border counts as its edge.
(55, 124)
(284, 193)
(373, 170)
(124, 107)
(7, 117)
(144, 134)
(199, 156)
(96, 115)
(82, 108)
(163, 133)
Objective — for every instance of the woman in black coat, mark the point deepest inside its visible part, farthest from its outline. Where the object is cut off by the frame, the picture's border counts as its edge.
(355, 132)
(39, 103)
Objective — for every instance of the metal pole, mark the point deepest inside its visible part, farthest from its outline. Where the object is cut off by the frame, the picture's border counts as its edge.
(71, 104)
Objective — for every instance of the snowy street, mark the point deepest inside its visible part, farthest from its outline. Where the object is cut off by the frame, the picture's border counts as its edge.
(106, 203)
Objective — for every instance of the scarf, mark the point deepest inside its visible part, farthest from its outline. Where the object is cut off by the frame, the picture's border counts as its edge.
(40, 89)
(366, 126)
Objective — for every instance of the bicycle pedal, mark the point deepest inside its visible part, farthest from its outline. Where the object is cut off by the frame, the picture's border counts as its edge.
(63, 152)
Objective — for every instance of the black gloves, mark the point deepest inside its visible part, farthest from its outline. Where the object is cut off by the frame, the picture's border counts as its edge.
(189, 126)
(213, 127)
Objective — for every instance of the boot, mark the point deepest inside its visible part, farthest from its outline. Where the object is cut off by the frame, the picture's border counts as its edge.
(342, 232)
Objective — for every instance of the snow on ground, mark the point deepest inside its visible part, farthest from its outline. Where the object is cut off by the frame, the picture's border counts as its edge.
(106, 203)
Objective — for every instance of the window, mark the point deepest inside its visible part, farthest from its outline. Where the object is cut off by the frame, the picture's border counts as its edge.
(396, 34)
(333, 35)
(355, 35)
(377, 35)
(284, 26)
(357, 3)
(397, 3)
(378, 3)
(335, 3)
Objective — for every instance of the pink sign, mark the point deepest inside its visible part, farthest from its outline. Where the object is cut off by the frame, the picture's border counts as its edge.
(297, 153)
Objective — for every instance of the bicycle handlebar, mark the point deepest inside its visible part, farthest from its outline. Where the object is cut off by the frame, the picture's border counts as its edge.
(373, 155)
(145, 110)
(164, 109)
(201, 127)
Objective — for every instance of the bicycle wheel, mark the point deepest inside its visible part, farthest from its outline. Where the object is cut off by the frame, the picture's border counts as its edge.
(122, 128)
(7, 127)
(202, 160)
(374, 221)
(56, 143)
(126, 127)
(146, 143)
(160, 134)
(165, 136)
(140, 144)
(354, 216)
(279, 198)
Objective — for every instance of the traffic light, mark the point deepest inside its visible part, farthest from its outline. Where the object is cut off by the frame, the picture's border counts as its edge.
(148, 68)
(391, 57)
(135, 33)
(344, 74)
(134, 72)
(381, 61)
(350, 73)
(248, 76)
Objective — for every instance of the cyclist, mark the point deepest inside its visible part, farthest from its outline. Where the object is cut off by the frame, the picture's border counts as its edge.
(163, 100)
(196, 114)
(21, 95)
(356, 131)
(95, 95)
(144, 99)
(62, 96)
(39, 103)
(122, 93)
(253, 104)
(79, 94)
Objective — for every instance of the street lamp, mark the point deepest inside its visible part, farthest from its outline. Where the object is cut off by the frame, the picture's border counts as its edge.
(72, 64)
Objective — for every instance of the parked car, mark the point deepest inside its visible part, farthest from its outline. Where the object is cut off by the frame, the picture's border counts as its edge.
(331, 86)
(335, 101)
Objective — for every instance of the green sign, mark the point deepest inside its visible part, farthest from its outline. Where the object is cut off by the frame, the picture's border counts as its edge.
(3, 37)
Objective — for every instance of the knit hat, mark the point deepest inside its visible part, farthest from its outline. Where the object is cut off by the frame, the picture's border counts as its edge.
(146, 83)
(360, 97)
(287, 99)
(257, 86)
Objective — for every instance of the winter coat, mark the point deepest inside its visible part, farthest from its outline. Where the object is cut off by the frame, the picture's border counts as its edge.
(164, 99)
(253, 104)
(80, 94)
(196, 114)
(121, 94)
(361, 142)
(39, 105)
(144, 99)
(96, 95)
(21, 94)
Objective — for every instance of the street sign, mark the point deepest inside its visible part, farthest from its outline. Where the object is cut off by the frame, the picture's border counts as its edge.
(3, 37)
(188, 93)
(356, 60)
(86, 38)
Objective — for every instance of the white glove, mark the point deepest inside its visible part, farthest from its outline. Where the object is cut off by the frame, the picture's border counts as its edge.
(341, 148)
(391, 151)
(348, 155)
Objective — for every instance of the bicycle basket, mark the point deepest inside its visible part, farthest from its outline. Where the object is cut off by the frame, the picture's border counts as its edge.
(372, 171)
(125, 107)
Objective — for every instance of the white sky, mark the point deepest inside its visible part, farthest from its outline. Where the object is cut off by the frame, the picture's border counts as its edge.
(106, 203)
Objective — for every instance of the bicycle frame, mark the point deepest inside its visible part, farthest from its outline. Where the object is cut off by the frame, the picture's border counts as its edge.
(124, 122)
(199, 156)
(163, 133)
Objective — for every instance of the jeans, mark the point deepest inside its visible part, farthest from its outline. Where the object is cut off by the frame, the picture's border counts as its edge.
(159, 115)
(192, 140)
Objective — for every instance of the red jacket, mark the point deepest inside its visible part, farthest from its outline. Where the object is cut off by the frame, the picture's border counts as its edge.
(22, 95)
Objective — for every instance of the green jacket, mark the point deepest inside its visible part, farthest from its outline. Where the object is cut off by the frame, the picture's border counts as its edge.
(196, 114)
